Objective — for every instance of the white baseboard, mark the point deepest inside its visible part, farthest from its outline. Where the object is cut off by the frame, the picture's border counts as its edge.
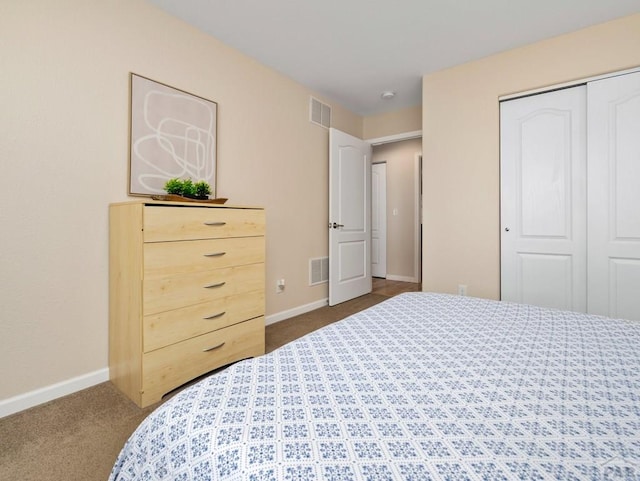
(296, 311)
(33, 398)
(391, 277)
(39, 396)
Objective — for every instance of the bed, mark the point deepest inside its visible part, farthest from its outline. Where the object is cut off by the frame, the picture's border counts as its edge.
(422, 386)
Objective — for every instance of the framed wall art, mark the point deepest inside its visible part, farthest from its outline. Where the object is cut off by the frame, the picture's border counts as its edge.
(172, 134)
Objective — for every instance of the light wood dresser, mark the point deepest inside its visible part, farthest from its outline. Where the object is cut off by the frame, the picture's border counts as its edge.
(186, 284)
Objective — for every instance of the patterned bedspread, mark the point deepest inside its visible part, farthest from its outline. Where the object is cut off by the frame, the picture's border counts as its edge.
(420, 387)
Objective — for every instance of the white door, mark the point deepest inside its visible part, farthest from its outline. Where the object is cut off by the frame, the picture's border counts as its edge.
(349, 217)
(379, 220)
(543, 199)
(614, 196)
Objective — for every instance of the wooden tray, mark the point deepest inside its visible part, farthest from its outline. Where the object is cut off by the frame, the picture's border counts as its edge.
(179, 198)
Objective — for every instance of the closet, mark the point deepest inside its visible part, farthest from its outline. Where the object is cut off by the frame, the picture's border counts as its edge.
(570, 197)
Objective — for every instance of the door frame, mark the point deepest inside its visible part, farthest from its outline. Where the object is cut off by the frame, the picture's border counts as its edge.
(417, 226)
(415, 134)
(563, 85)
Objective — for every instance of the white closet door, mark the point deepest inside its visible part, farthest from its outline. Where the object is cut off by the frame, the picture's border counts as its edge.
(543, 199)
(379, 220)
(614, 196)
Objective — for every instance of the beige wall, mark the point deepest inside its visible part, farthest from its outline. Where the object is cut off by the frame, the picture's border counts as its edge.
(461, 145)
(392, 123)
(401, 195)
(64, 85)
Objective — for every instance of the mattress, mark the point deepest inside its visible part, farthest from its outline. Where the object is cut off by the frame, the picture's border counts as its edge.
(422, 386)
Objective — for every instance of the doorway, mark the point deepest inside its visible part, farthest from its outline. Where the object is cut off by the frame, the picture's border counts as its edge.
(350, 162)
(396, 210)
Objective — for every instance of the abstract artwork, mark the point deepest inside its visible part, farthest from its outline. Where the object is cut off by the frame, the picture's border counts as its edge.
(173, 134)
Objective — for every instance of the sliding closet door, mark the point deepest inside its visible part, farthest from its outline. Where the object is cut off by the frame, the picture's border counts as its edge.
(543, 199)
(614, 196)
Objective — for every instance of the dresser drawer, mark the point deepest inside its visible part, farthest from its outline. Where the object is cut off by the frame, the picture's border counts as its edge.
(173, 292)
(167, 368)
(176, 325)
(185, 257)
(163, 223)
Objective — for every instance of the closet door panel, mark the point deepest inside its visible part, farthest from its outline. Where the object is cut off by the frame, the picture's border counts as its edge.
(545, 279)
(543, 199)
(624, 285)
(614, 196)
(545, 170)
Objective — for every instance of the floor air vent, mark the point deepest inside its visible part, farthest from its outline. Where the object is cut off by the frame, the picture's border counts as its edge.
(318, 270)
(319, 113)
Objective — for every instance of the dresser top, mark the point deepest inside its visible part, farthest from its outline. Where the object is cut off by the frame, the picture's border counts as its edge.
(185, 204)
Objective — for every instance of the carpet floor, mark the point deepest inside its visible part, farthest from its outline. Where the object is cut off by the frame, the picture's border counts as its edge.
(79, 436)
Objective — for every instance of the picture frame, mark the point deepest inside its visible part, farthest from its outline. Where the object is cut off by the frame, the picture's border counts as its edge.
(173, 134)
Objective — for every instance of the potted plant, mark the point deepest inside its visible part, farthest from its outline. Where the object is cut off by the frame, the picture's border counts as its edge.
(202, 189)
(187, 188)
(173, 186)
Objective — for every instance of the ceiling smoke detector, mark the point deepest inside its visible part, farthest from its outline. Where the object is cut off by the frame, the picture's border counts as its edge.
(387, 95)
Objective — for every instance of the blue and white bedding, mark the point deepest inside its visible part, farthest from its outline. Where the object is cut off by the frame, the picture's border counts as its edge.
(419, 387)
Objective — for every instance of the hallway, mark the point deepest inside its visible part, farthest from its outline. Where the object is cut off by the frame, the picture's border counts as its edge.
(389, 288)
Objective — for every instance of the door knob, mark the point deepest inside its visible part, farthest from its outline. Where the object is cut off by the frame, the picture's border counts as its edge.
(335, 225)
(506, 229)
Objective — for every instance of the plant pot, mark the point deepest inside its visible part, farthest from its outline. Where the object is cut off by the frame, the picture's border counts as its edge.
(198, 197)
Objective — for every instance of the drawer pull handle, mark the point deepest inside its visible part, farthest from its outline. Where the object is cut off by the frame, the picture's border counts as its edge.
(217, 284)
(214, 347)
(219, 223)
(215, 254)
(215, 316)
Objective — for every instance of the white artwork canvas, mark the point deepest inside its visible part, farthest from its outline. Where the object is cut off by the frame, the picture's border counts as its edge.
(173, 134)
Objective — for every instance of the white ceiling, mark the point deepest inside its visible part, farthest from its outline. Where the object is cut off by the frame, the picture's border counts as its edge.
(352, 50)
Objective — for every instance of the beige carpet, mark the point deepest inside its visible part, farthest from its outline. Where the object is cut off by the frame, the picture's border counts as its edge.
(79, 436)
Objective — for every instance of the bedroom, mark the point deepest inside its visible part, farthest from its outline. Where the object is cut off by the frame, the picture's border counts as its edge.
(64, 146)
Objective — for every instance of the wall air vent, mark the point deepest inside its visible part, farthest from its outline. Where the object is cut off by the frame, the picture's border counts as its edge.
(318, 270)
(319, 113)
